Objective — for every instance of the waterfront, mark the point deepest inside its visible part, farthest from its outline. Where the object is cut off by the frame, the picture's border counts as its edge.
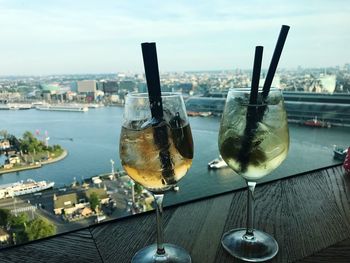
(92, 140)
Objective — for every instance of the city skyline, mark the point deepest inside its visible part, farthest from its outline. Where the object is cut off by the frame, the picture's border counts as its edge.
(42, 38)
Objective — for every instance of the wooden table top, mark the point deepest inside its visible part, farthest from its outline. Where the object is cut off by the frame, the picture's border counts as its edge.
(308, 214)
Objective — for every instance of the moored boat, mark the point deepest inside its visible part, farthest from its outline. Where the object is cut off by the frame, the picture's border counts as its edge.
(68, 107)
(339, 153)
(217, 163)
(317, 123)
(15, 106)
(22, 188)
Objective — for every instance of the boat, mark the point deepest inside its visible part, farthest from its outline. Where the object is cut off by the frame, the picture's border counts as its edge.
(22, 188)
(316, 123)
(192, 113)
(200, 113)
(205, 114)
(339, 153)
(62, 107)
(217, 163)
(94, 105)
(15, 106)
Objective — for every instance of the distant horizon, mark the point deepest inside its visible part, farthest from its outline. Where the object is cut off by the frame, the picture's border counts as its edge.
(172, 71)
(56, 37)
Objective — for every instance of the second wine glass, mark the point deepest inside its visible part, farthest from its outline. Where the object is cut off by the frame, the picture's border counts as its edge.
(253, 141)
(157, 154)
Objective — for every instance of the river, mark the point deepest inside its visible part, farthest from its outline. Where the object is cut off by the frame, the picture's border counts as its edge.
(92, 139)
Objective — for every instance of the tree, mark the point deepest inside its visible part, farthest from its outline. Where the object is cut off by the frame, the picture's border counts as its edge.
(39, 228)
(14, 142)
(5, 216)
(18, 225)
(138, 188)
(57, 147)
(94, 201)
(19, 221)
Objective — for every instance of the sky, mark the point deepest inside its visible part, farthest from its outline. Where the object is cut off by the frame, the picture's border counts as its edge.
(104, 36)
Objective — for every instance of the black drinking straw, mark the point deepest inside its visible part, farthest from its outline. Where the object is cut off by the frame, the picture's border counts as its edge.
(150, 62)
(274, 61)
(253, 99)
(256, 114)
(160, 133)
(251, 117)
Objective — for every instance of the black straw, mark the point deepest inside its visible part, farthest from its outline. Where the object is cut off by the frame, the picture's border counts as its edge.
(150, 62)
(252, 114)
(253, 99)
(160, 132)
(274, 61)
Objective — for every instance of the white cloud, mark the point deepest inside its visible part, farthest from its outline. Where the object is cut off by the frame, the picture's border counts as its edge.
(94, 36)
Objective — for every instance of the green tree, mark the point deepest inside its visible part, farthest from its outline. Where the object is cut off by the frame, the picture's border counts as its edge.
(39, 228)
(5, 216)
(19, 221)
(18, 225)
(138, 188)
(30, 144)
(14, 142)
(57, 147)
(94, 201)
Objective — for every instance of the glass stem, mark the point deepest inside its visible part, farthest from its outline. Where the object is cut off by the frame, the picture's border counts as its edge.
(160, 234)
(250, 211)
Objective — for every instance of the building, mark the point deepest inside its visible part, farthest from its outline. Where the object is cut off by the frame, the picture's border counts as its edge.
(128, 85)
(14, 159)
(300, 106)
(4, 144)
(66, 204)
(87, 88)
(86, 212)
(101, 194)
(75, 203)
(110, 87)
(327, 83)
(4, 236)
(205, 104)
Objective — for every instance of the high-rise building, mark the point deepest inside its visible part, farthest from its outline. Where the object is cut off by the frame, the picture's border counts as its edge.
(110, 87)
(87, 86)
(328, 83)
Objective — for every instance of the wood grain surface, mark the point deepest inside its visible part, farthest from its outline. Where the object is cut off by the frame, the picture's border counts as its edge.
(309, 215)
(74, 247)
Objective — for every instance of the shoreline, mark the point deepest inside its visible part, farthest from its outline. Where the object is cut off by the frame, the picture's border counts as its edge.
(36, 166)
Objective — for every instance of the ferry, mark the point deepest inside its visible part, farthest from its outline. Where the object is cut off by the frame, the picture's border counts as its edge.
(316, 123)
(61, 107)
(217, 163)
(22, 188)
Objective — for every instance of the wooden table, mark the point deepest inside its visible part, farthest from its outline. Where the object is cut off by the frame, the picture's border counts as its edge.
(308, 214)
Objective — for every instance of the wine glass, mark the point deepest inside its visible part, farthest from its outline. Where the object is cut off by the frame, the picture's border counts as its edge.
(253, 141)
(156, 154)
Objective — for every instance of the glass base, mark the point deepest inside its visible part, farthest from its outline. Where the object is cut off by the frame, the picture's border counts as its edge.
(259, 248)
(173, 254)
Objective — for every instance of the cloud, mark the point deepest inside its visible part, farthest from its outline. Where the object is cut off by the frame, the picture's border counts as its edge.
(106, 35)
